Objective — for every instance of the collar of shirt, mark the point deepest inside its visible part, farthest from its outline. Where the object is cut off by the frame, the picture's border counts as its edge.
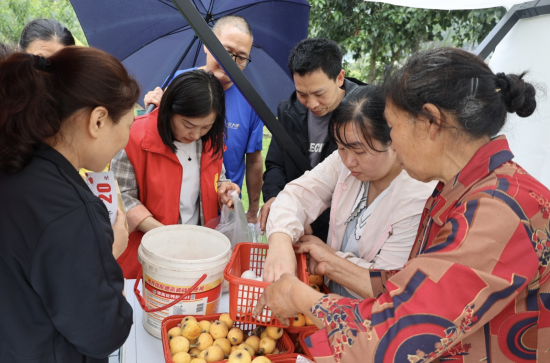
(485, 160)
(49, 153)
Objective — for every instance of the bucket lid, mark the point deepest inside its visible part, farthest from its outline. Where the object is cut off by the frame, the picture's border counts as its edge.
(185, 244)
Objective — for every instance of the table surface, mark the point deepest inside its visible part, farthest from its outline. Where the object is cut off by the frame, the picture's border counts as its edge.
(142, 347)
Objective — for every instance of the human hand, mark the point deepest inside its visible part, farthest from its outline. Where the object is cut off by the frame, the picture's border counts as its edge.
(223, 193)
(308, 229)
(280, 257)
(277, 297)
(264, 213)
(120, 233)
(153, 97)
(322, 257)
(252, 217)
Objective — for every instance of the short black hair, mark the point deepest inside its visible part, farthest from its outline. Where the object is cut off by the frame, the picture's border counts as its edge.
(312, 54)
(45, 29)
(194, 94)
(364, 108)
(463, 85)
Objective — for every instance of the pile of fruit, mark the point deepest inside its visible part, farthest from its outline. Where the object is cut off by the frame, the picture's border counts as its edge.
(315, 282)
(211, 341)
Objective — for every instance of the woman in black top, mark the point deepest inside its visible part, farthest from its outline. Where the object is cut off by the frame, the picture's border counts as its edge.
(61, 287)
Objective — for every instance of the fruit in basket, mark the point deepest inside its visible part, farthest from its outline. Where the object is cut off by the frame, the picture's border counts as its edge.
(316, 279)
(248, 348)
(191, 330)
(235, 336)
(179, 344)
(205, 326)
(174, 332)
(233, 348)
(214, 353)
(267, 345)
(261, 360)
(225, 344)
(275, 351)
(263, 334)
(204, 341)
(201, 354)
(314, 287)
(181, 357)
(274, 332)
(308, 321)
(197, 360)
(240, 356)
(254, 342)
(249, 275)
(186, 319)
(218, 329)
(195, 352)
(227, 320)
(299, 321)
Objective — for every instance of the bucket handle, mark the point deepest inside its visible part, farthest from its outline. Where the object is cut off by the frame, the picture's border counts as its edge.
(142, 301)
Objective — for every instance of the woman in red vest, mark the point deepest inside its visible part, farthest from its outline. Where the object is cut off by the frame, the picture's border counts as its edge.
(171, 171)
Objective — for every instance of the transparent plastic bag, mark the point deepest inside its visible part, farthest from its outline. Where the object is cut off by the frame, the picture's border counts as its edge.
(233, 223)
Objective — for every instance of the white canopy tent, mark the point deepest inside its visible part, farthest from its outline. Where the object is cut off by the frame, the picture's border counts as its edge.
(522, 49)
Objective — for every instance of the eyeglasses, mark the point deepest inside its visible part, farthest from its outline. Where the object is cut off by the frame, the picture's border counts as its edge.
(241, 61)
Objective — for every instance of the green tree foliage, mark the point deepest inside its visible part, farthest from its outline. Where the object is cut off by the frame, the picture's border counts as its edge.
(15, 14)
(380, 36)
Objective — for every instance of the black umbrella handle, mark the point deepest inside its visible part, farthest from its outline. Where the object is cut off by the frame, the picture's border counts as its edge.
(150, 108)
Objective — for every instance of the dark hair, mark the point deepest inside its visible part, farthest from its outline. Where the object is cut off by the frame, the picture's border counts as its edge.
(364, 108)
(38, 95)
(234, 20)
(45, 29)
(313, 54)
(6, 50)
(194, 94)
(462, 84)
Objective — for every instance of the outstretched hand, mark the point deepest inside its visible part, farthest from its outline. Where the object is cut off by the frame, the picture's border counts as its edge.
(223, 193)
(322, 257)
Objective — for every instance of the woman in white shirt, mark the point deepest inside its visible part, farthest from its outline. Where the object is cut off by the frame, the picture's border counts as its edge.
(376, 206)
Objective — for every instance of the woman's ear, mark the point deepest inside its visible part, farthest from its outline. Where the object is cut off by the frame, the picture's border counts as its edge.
(97, 121)
(434, 121)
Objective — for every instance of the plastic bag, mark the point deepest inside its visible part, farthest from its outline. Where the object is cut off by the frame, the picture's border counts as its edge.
(233, 223)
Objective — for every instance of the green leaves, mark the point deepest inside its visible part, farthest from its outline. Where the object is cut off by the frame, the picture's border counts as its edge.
(15, 14)
(379, 35)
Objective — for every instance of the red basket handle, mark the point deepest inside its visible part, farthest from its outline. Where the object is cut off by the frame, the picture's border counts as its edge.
(142, 301)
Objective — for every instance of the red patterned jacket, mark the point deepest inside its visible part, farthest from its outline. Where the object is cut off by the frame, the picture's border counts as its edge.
(477, 286)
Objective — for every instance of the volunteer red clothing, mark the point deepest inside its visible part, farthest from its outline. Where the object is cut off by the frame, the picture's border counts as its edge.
(157, 174)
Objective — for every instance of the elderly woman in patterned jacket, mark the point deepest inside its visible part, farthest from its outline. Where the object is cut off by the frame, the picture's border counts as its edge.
(477, 285)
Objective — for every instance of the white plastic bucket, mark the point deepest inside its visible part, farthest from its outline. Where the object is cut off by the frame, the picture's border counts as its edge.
(173, 259)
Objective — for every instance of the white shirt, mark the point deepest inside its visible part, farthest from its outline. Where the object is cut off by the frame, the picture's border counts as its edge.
(190, 182)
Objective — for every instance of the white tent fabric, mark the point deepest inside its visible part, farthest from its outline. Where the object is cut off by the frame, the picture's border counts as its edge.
(522, 50)
(453, 4)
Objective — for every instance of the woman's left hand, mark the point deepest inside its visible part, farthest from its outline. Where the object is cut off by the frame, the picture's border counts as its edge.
(287, 297)
(322, 256)
(223, 193)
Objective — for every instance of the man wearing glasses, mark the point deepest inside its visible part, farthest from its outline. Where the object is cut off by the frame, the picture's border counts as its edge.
(244, 126)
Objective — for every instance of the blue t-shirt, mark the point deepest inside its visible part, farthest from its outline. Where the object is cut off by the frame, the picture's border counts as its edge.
(244, 132)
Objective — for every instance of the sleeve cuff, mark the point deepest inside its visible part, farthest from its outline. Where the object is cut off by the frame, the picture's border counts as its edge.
(135, 216)
(282, 230)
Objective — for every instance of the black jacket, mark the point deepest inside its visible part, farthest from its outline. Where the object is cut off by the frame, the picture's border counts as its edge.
(61, 288)
(279, 167)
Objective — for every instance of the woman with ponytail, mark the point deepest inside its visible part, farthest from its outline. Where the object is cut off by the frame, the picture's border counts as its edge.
(477, 285)
(63, 289)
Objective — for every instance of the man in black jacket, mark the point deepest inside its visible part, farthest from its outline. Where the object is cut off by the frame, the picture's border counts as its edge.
(316, 66)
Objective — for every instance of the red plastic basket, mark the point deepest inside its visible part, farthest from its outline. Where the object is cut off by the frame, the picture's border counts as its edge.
(244, 293)
(294, 332)
(301, 340)
(290, 358)
(283, 344)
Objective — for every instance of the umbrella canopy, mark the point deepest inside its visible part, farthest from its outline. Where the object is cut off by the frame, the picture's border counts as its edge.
(150, 37)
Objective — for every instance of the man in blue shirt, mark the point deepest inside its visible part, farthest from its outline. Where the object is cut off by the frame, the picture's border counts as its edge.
(244, 126)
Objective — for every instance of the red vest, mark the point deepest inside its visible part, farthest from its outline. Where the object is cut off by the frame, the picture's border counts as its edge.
(159, 173)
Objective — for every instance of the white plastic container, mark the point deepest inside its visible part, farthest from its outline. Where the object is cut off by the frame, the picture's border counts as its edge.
(173, 259)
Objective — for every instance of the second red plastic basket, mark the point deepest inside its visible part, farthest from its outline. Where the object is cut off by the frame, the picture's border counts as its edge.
(244, 293)
(283, 344)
